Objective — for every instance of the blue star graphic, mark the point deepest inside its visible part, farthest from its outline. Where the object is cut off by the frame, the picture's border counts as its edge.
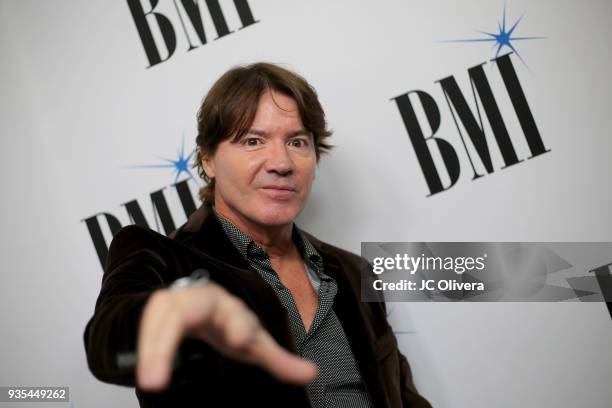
(180, 165)
(503, 38)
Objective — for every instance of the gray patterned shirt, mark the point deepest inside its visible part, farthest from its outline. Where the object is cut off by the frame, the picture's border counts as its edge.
(339, 382)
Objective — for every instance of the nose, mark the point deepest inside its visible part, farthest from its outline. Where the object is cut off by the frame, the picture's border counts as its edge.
(278, 159)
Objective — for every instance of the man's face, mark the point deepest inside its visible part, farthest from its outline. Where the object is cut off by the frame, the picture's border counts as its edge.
(265, 178)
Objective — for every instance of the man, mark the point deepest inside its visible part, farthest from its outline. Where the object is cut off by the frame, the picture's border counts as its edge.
(280, 322)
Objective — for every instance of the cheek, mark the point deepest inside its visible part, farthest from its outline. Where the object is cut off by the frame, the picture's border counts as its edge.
(308, 171)
(238, 173)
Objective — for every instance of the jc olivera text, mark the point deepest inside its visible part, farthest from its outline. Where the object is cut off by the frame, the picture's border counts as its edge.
(430, 284)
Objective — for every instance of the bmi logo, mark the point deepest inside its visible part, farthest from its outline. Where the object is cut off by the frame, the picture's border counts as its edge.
(189, 18)
(474, 135)
(180, 194)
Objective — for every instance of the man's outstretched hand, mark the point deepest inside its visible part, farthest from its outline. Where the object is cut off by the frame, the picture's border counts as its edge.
(209, 313)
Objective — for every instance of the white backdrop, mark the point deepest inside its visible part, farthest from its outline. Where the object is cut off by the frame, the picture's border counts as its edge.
(79, 106)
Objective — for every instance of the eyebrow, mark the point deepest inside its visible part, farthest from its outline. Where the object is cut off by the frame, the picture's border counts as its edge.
(293, 133)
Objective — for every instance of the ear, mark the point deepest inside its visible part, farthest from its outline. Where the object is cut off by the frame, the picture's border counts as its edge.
(209, 166)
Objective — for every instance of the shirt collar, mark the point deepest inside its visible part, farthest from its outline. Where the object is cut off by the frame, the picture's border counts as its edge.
(250, 250)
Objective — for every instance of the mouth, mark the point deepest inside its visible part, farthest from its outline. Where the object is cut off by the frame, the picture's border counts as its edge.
(278, 187)
(278, 192)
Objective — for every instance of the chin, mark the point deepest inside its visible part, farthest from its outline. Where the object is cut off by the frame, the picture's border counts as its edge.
(275, 216)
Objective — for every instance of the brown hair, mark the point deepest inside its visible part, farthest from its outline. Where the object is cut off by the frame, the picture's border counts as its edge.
(229, 108)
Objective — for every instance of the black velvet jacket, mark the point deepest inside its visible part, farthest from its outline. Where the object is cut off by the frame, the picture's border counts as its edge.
(141, 261)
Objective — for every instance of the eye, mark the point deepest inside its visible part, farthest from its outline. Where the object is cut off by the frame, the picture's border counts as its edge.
(251, 141)
(298, 143)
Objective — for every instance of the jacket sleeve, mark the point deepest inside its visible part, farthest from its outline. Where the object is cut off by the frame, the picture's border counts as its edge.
(134, 269)
(410, 395)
